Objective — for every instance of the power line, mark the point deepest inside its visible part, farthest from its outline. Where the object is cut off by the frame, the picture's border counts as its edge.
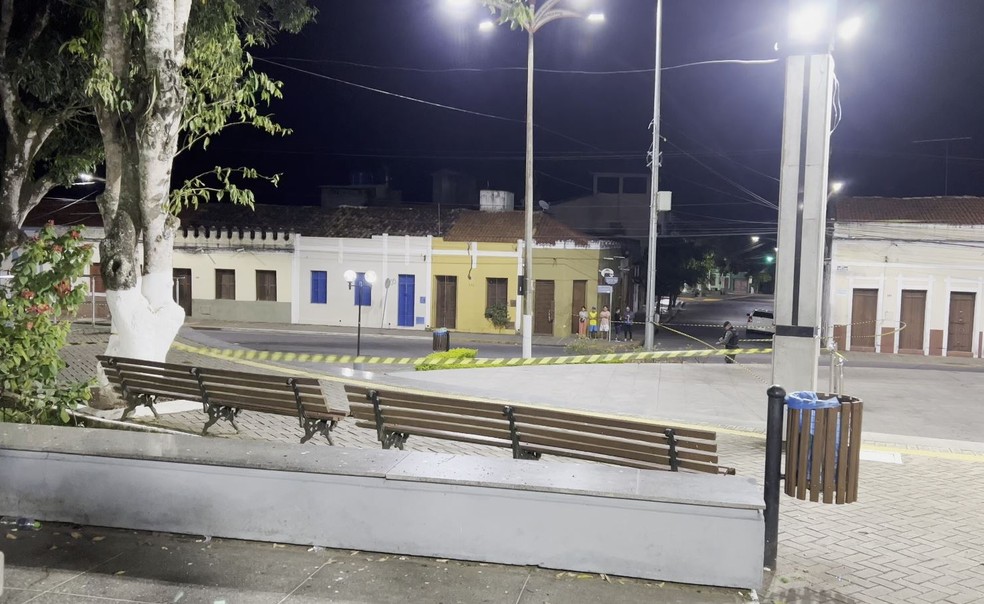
(428, 103)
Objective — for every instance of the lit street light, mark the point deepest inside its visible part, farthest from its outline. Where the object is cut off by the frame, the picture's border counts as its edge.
(836, 186)
(359, 281)
(527, 15)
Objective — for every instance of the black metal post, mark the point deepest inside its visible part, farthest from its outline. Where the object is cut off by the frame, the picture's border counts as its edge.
(358, 330)
(773, 468)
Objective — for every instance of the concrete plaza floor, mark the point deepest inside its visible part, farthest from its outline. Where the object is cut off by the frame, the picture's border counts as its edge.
(913, 536)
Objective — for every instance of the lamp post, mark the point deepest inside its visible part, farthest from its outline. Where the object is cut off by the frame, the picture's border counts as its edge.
(360, 281)
(526, 15)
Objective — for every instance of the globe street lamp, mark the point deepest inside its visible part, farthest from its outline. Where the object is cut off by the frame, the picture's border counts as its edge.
(360, 281)
(527, 15)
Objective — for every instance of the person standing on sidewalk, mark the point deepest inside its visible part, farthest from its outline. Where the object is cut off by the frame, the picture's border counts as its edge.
(606, 323)
(593, 323)
(582, 322)
(729, 340)
(617, 324)
(627, 329)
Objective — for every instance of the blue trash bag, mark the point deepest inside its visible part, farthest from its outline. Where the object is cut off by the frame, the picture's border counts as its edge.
(809, 403)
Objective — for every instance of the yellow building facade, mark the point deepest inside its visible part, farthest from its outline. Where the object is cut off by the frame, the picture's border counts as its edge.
(471, 276)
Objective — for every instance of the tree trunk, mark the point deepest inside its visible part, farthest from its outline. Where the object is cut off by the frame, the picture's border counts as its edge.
(138, 168)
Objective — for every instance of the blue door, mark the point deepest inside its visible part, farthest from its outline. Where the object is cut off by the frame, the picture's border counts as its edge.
(405, 302)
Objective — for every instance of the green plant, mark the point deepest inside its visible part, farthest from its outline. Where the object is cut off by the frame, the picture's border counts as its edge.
(498, 314)
(36, 305)
(433, 361)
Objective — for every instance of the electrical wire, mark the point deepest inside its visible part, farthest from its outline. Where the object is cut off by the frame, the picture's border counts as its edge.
(428, 103)
(523, 69)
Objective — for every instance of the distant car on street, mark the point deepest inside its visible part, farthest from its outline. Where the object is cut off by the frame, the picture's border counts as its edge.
(761, 321)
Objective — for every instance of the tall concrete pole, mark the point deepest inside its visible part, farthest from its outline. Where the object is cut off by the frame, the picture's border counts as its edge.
(528, 250)
(803, 208)
(652, 307)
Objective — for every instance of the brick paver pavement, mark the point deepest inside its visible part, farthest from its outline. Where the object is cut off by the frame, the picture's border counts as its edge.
(914, 536)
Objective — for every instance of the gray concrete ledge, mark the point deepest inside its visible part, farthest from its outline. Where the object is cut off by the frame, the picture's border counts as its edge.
(658, 525)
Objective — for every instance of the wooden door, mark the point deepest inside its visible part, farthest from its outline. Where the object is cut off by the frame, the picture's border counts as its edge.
(577, 301)
(960, 335)
(446, 302)
(913, 315)
(864, 309)
(543, 308)
(182, 288)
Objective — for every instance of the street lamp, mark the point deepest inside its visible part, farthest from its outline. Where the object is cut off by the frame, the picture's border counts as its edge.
(526, 15)
(360, 281)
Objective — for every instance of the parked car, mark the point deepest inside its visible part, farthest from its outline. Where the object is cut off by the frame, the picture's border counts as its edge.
(761, 321)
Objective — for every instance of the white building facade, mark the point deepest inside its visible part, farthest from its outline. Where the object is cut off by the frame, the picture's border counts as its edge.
(399, 298)
(907, 276)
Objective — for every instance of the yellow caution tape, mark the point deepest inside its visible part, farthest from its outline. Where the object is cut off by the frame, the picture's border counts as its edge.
(581, 359)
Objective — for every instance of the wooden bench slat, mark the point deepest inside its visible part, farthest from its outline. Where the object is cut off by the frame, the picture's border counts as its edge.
(523, 418)
(409, 398)
(414, 426)
(456, 436)
(580, 441)
(639, 425)
(271, 382)
(364, 411)
(688, 465)
(361, 402)
(150, 386)
(218, 390)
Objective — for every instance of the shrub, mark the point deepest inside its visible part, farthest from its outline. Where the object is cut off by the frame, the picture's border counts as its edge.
(36, 307)
(431, 361)
(498, 314)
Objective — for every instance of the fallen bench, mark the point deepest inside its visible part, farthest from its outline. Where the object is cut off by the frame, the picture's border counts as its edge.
(223, 394)
(532, 431)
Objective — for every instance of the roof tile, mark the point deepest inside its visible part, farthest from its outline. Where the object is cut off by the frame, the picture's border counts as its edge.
(929, 210)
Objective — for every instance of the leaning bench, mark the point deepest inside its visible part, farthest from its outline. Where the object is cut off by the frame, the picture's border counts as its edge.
(223, 394)
(533, 431)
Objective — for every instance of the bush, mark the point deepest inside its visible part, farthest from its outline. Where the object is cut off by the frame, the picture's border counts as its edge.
(498, 314)
(36, 307)
(431, 361)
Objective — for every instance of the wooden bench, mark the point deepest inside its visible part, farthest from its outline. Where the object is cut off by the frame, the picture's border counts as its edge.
(531, 432)
(223, 394)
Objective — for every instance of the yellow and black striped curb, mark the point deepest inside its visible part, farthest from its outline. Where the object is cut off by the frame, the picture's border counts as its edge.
(582, 359)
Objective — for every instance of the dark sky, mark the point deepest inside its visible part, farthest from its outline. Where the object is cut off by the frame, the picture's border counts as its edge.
(913, 73)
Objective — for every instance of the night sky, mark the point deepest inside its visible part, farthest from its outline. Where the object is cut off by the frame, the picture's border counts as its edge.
(913, 73)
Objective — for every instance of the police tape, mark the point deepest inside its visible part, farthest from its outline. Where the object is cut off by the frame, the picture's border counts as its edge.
(581, 359)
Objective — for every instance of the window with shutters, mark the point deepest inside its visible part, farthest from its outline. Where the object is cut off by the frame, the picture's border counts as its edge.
(225, 284)
(496, 292)
(266, 286)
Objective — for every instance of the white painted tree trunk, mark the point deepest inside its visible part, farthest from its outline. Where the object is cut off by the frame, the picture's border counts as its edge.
(145, 319)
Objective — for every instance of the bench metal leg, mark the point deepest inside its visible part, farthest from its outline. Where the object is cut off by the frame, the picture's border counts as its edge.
(132, 402)
(216, 412)
(519, 452)
(394, 439)
(318, 426)
(671, 440)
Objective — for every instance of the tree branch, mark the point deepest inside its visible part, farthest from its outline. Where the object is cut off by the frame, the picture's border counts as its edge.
(7, 92)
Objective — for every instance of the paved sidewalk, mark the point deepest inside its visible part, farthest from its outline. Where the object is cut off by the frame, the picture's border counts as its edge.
(913, 537)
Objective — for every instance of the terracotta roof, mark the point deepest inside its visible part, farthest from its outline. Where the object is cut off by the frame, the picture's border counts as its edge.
(315, 221)
(507, 227)
(928, 210)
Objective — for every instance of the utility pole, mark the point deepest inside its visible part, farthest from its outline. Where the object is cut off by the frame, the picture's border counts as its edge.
(652, 307)
(803, 194)
(528, 208)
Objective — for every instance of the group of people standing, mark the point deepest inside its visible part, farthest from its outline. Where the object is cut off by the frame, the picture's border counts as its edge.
(594, 324)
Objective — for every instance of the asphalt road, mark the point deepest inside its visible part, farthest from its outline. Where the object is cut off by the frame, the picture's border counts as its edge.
(710, 313)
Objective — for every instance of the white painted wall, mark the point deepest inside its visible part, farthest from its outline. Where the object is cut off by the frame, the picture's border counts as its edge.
(891, 257)
(387, 256)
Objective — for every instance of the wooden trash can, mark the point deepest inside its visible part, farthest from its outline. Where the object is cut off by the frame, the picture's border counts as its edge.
(823, 447)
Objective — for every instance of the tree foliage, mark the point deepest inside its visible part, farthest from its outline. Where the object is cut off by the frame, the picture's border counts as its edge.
(36, 306)
(519, 14)
(48, 130)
